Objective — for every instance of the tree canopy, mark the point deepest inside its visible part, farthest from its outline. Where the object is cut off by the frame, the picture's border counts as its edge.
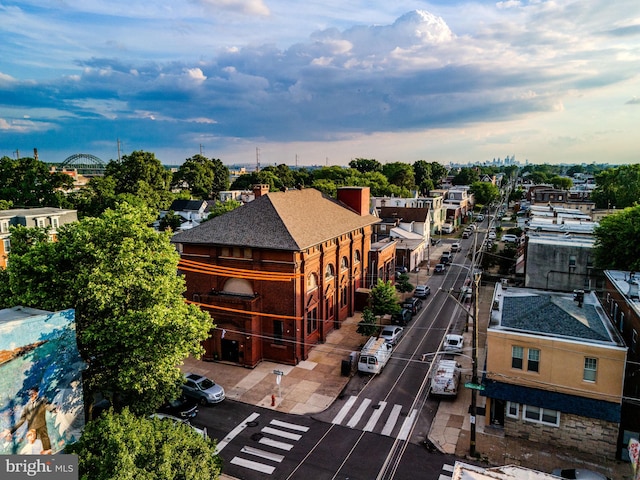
(134, 328)
(616, 244)
(617, 187)
(201, 176)
(121, 446)
(384, 299)
(466, 176)
(485, 192)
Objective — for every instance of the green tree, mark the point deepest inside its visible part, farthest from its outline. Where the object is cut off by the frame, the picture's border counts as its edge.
(5, 204)
(485, 192)
(220, 208)
(368, 326)
(142, 175)
(466, 176)
(384, 299)
(27, 182)
(365, 165)
(616, 244)
(403, 284)
(121, 446)
(134, 328)
(171, 221)
(619, 187)
(202, 176)
(400, 174)
(563, 183)
(98, 195)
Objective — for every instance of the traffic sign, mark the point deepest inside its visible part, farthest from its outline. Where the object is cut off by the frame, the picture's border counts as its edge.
(473, 386)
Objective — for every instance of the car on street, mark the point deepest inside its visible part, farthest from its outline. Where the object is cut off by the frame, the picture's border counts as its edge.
(453, 343)
(446, 257)
(455, 247)
(491, 235)
(422, 291)
(391, 334)
(180, 407)
(578, 474)
(439, 269)
(466, 233)
(180, 421)
(402, 317)
(413, 304)
(202, 389)
(480, 217)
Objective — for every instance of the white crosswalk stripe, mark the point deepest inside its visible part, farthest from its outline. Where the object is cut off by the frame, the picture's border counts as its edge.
(378, 418)
(292, 432)
(447, 468)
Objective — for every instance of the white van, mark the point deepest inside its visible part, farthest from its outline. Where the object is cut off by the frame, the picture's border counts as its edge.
(447, 228)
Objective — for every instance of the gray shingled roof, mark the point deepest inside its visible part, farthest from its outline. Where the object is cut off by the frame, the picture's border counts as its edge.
(292, 220)
(552, 315)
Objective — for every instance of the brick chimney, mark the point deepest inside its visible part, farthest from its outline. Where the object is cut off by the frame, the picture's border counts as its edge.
(356, 198)
(261, 189)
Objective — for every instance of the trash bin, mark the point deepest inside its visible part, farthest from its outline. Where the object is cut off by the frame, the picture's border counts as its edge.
(348, 366)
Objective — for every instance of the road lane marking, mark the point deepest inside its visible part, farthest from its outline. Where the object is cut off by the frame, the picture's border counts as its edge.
(235, 432)
(358, 415)
(275, 444)
(257, 466)
(281, 433)
(344, 410)
(290, 426)
(274, 457)
(406, 425)
(375, 417)
(391, 421)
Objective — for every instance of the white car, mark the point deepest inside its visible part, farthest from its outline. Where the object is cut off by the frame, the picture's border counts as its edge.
(391, 334)
(453, 343)
(491, 236)
(510, 238)
(455, 247)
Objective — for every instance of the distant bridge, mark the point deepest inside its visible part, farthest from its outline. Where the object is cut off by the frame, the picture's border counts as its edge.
(85, 164)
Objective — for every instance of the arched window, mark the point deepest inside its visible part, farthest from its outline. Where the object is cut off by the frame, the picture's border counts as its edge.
(238, 286)
(344, 263)
(357, 256)
(329, 272)
(312, 282)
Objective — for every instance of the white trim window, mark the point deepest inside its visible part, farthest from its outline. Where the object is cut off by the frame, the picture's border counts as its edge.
(545, 416)
(55, 223)
(533, 360)
(517, 354)
(513, 410)
(7, 245)
(4, 226)
(590, 369)
(40, 222)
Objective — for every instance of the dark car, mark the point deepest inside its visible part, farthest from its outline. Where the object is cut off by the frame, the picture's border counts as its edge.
(446, 257)
(402, 317)
(440, 269)
(412, 304)
(180, 407)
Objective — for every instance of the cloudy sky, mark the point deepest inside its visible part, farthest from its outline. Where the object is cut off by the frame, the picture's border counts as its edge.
(322, 82)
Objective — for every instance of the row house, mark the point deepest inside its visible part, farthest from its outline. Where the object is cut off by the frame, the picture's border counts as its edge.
(44, 217)
(278, 273)
(555, 370)
(412, 234)
(434, 203)
(620, 298)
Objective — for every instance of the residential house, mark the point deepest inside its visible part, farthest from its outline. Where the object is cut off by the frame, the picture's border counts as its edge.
(621, 301)
(434, 202)
(278, 273)
(412, 233)
(45, 217)
(554, 370)
(191, 212)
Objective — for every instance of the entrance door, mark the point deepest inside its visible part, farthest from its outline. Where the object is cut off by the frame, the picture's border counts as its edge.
(497, 412)
(230, 351)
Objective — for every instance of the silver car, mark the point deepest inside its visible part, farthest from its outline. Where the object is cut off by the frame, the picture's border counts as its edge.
(202, 389)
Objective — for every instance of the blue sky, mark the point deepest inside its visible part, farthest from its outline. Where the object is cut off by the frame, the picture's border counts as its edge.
(322, 82)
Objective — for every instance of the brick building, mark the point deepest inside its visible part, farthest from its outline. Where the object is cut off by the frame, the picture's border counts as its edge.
(279, 273)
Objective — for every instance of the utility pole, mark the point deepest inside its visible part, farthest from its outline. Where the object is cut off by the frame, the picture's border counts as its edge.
(474, 352)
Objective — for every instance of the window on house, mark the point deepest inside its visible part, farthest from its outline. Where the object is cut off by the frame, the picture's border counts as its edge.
(278, 332)
(344, 263)
(312, 282)
(572, 260)
(54, 222)
(541, 415)
(590, 369)
(4, 226)
(40, 222)
(516, 357)
(357, 256)
(7, 245)
(312, 320)
(621, 323)
(343, 297)
(533, 360)
(329, 272)
(513, 409)
(634, 341)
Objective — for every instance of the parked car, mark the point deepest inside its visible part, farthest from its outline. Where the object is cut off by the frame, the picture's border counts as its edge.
(578, 474)
(202, 389)
(447, 228)
(446, 257)
(453, 343)
(440, 269)
(180, 421)
(510, 238)
(455, 247)
(491, 235)
(180, 407)
(402, 317)
(466, 233)
(480, 217)
(391, 334)
(412, 304)
(422, 291)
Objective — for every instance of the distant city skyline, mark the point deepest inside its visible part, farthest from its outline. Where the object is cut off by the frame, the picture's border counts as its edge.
(324, 82)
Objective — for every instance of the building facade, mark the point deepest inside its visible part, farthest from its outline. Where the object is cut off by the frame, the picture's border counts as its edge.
(554, 370)
(279, 273)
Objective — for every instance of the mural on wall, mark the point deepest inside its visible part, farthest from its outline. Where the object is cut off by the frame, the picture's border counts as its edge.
(41, 399)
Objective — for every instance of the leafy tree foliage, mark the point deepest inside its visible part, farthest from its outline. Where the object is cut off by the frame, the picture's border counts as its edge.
(384, 299)
(27, 182)
(5, 204)
(485, 192)
(403, 284)
(134, 327)
(617, 244)
(619, 187)
(400, 174)
(365, 165)
(171, 221)
(141, 174)
(466, 176)
(121, 446)
(563, 183)
(220, 208)
(202, 176)
(368, 326)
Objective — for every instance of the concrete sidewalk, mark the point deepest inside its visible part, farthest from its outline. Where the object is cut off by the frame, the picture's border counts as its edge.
(313, 385)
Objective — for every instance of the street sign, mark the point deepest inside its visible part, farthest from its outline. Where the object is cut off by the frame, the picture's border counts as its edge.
(473, 386)
(278, 372)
